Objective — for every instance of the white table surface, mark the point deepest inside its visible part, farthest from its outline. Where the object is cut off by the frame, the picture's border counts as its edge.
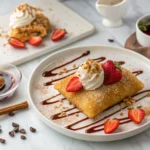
(46, 138)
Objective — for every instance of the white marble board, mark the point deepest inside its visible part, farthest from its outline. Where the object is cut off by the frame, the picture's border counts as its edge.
(60, 17)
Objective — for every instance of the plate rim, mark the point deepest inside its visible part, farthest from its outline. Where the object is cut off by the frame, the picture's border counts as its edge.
(75, 134)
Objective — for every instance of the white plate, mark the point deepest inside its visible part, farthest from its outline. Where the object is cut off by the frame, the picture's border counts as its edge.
(38, 92)
(60, 17)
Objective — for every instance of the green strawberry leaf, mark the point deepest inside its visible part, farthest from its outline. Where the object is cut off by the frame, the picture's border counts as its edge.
(139, 107)
(117, 65)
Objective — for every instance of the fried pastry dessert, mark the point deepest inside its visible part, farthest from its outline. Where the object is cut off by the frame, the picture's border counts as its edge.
(27, 21)
(98, 86)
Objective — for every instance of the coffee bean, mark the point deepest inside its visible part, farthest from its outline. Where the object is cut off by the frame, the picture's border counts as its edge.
(11, 133)
(2, 140)
(15, 124)
(111, 40)
(23, 137)
(11, 114)
(23, 131)
(32, 129)
(16, 129)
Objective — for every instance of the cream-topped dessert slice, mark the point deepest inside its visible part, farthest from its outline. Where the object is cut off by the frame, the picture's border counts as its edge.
(96, 97)
(27, 21)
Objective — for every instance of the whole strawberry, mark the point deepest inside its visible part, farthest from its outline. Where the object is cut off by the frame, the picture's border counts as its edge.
(112, 72)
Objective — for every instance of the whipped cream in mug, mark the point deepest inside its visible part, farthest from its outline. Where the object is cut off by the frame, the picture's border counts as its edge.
(91, 75)
(23, 15)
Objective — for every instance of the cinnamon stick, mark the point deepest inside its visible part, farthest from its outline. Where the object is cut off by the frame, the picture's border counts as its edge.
(12, 108)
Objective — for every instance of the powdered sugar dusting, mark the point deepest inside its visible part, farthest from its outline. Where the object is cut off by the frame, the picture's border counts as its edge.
(49, 110)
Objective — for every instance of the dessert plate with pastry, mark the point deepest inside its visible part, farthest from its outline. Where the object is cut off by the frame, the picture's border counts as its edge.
(94, 93)
(32, 30)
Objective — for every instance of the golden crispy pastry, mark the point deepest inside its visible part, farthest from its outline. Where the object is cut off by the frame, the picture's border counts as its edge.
(96, 101)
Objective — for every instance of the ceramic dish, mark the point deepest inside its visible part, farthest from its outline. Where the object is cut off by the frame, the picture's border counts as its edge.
(80, 124)
(112, 14)
(12, 77)
(142, 38)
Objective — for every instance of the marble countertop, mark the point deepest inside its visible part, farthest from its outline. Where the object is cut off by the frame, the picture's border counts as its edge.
(46, 138)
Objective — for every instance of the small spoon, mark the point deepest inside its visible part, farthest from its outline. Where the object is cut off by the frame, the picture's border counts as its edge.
(2, 82)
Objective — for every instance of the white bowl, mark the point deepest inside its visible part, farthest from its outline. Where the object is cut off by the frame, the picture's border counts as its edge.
(13, 71)
(142, 38)
(112, 13)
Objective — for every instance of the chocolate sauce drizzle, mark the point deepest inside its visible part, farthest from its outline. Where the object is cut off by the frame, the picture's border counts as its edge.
(138, 72)
(45, 102)
(49, 73)
(52, 81)
(94, 129)
(82, 127)
(120, 62)
(59, 115)
(100, 59)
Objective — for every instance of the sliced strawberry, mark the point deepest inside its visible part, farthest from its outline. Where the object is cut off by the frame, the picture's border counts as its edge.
(58, 34)
(136, 115)
(35, 40)
(16, 43)
(112, 72)
(74, 85)
(111, 125)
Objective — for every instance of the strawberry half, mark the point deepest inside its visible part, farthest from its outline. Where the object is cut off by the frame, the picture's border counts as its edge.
(136, 115)
(16, 43)
(74, 85)
(58, 34)
(112, 72)
(111, 125)
(35, 40)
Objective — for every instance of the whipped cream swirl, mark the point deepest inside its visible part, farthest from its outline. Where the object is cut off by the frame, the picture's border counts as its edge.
(91, 75)
(23, 15)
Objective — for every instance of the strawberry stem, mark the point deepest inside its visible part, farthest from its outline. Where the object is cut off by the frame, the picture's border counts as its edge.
(117, 65)
(139, 107)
